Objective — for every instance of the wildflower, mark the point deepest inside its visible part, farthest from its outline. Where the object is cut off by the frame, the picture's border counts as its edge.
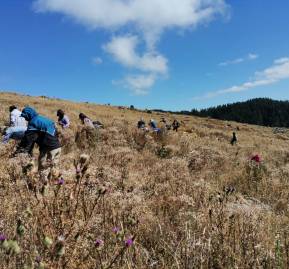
(78, 170)
(256, 158)
(38, 259)
(116, 229)
(2, 238)
(60, 181)
(129, 242)
(98, 243)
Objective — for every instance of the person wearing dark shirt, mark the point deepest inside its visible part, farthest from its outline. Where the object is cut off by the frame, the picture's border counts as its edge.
(141, 124)
(175, 125)
(234, 139)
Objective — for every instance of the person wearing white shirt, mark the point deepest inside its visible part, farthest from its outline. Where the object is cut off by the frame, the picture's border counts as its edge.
(18, 125)
(15, 118)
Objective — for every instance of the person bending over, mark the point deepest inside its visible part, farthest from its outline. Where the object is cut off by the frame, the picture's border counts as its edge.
(40, 131)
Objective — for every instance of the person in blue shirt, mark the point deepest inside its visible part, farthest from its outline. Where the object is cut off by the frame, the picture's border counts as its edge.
(154, 127)
(42, 131)
(152, 124)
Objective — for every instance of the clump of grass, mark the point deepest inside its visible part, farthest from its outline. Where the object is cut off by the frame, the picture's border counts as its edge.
(87, 138)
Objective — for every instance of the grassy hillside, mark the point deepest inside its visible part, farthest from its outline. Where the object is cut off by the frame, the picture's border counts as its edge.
(176, 200)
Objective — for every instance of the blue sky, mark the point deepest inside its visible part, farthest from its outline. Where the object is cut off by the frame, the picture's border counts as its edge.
(174, 54)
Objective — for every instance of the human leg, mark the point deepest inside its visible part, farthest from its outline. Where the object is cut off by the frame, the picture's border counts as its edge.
(54, 159)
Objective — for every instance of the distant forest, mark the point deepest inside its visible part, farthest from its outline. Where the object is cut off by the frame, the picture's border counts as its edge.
(259, 111)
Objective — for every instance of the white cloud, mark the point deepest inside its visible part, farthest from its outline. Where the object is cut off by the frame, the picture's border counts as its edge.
(236, 61)
(123, 49)
(252, 56)
(281, 60)
(277, 72)
(139, 84)
(97, 60)
(142, 20)
(150, 16)
(249, 57)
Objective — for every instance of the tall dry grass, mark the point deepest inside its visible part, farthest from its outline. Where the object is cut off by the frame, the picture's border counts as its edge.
(128, 199)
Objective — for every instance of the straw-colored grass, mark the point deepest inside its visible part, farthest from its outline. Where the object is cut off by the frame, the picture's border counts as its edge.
(137, 200)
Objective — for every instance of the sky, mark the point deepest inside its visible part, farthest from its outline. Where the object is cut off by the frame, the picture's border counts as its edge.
(166, 54)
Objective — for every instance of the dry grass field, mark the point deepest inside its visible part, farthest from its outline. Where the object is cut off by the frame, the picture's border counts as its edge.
(139, 200)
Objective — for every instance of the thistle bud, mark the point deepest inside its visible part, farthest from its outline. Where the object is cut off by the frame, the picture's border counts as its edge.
(47, 241)
(60, 247)
(28, 212)
(83, 158)
(20, 228)
(5, 245)
(14, 247)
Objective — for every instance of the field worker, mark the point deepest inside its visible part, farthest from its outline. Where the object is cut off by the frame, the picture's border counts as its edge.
(163, 120)
(41, 131)
(154, 127)
(234, 139)
(63, 119)
(141, 124)
(176, 125)
(152, 124)
(85, 120)
(17, 126)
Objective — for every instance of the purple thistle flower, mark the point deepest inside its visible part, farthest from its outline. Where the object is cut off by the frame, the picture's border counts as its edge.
(98, 243)
(60, 181)
(2, 237)
(128, 242)
(38, 259)
(116, 229)
(78, 170)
